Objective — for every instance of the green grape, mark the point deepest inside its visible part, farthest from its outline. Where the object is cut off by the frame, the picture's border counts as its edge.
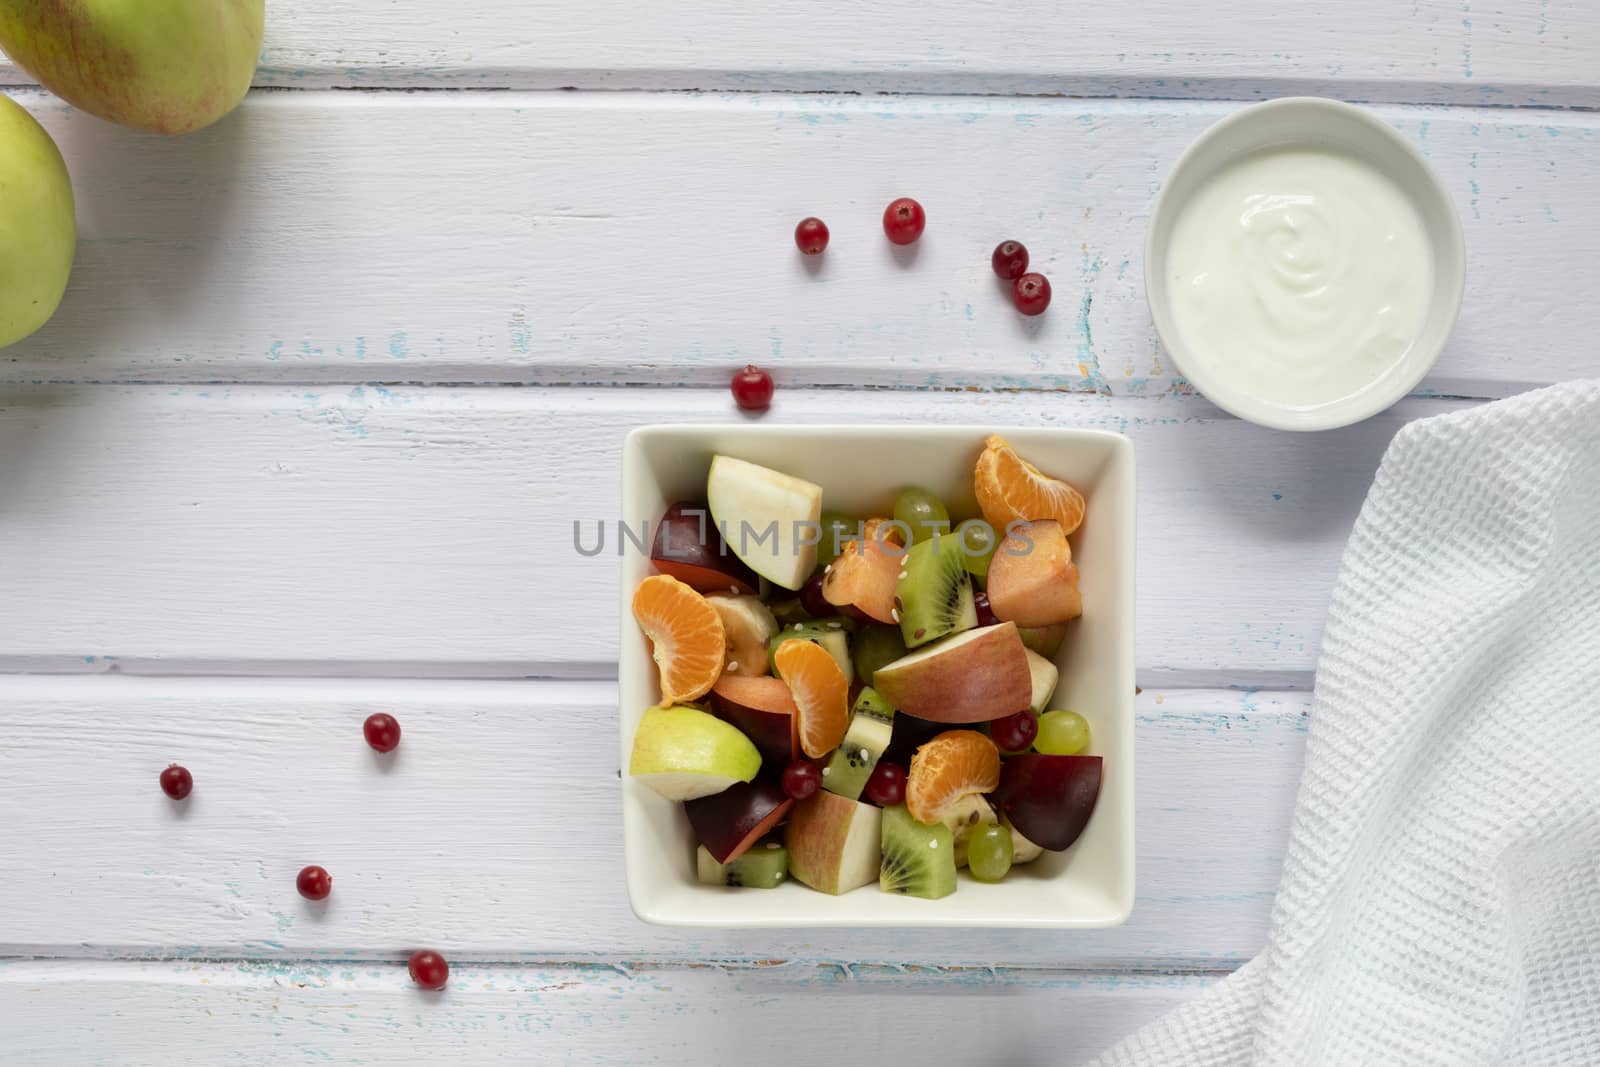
(989, 852)
(922, 512)
(836, 530)
(876, 646)
(1062, 733)
(978, 542)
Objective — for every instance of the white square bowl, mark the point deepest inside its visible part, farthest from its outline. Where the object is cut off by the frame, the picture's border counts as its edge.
(860, 469)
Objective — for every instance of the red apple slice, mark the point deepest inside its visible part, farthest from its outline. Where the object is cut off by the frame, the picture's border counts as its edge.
(835, 843)
(1049, 798)
(729, 822)
(764, 710)
(1032, 579)
(974, 676)
(688, 547)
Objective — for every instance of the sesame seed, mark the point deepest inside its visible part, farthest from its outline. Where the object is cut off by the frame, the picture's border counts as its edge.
(865, 754)
(825, 770)
(894, 613)
(733, 589)
(827, 570)
(732, 666)
(777, 877)
(772, 844)
(797, 626)
(934, 843)
(903, 576)
(836, 626)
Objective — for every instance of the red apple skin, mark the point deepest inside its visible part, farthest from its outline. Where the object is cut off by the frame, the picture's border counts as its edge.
(985, 677)
(1049, 798)
(1032, 579)
(729, 822)
(815, 838)
(763, 710)
(689, 547)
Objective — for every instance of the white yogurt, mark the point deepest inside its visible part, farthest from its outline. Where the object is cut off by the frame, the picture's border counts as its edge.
(1301, 276)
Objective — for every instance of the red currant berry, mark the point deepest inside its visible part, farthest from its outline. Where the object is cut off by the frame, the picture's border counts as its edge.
(1031, 293)
(904, 220)
(429, 969)
(886, 786)
(1010, 260)
(801, 779)
(811, 236)
(314, 883)
(1014, 733)
(383, 732)
(986, 617)
(177, 782)
(752, 389)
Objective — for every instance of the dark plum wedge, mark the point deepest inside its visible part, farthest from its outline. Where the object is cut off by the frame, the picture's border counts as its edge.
(764, 711)
(729, 822)
(910, 733)
(1049, 798)
(688, 547)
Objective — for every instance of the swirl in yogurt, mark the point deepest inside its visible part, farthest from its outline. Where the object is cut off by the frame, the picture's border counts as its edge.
(1301, 276)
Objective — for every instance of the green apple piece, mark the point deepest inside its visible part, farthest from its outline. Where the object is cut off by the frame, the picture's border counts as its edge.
(38, 231)
(169, 66)
(770, 520)
(1044, 676)
(834, 842)
(684, 753)
(871, 727)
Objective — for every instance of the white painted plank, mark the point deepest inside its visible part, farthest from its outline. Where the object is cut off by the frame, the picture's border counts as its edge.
(496, 833)
(609, 238)
(408, 531)
(1520, 53)
(132, 1014)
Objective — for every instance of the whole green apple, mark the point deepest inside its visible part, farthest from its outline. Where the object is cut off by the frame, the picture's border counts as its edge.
(38, 232)
(170, 66)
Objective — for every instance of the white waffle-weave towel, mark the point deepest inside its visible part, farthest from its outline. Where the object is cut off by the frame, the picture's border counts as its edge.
(1440, 900)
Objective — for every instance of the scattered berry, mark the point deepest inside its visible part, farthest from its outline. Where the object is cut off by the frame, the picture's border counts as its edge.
(752, 389)
(1010, 260)
(986, 617)
(1014, 733)
(1031, 293)
(314, 883)
(429, 969)
(904, 220)
(886, 786)
(383, 732)
(801, 779)
(177, 782)
(811, 236)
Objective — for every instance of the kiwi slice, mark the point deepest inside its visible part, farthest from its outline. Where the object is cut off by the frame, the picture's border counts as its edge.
(832, 634)
(871, 728)
(918, 860)
(764, 866)
(875, 646)
(934, 594)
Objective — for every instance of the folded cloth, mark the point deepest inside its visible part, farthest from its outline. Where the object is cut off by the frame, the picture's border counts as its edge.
(1440, 900)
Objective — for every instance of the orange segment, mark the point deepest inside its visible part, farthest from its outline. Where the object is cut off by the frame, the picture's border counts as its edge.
(949, 767)
(1010, 489)
(686, 637)
(821, 694)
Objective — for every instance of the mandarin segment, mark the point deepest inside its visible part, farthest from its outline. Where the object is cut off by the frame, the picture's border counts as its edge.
(1010, 489)
(951, 766)
(821, 694)
(686, 636)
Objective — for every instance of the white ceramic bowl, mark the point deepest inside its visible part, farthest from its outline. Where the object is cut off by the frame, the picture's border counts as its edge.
(1310, 122)
(860, 469)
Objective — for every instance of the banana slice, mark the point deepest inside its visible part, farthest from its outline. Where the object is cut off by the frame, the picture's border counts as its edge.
(962, 817)
(748, 625)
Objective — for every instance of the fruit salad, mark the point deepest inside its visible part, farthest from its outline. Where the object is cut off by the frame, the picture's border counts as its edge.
(853, 699)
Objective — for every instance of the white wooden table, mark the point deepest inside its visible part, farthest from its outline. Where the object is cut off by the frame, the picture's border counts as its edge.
(334, 379)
